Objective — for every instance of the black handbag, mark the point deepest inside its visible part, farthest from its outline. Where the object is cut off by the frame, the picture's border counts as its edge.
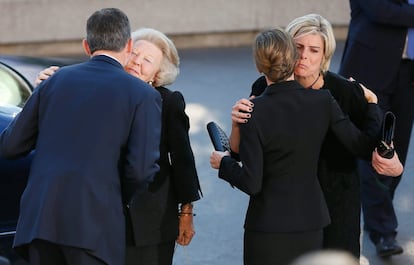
(384, 148)
(218, 137)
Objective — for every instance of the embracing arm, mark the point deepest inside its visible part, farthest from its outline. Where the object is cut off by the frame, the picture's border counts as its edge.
(45, 74)
(241, 112)
(354, 139)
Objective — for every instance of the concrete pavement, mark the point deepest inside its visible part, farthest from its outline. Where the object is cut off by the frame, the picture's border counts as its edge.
(211, 81)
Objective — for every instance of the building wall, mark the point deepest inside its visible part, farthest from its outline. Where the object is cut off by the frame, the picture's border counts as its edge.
(51, 27)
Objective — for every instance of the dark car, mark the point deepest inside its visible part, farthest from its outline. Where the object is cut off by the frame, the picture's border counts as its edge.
(17, 76)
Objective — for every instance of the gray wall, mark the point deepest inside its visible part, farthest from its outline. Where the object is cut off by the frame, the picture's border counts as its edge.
(54, 27)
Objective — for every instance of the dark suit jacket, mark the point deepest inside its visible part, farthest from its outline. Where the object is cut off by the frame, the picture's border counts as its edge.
(154, 216)
(279, 150)
(96, 130)
(376, 39)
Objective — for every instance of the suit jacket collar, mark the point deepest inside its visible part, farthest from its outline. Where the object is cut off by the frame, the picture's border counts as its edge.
(107, 59)
(282, 87)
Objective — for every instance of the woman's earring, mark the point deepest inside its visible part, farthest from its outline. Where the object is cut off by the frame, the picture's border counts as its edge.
(150, 82)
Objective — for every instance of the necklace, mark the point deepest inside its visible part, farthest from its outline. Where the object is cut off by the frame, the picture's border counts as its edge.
(314, 82)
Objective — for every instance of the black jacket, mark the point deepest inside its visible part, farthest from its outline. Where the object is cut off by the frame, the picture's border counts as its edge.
(279, 150)
(154, 215)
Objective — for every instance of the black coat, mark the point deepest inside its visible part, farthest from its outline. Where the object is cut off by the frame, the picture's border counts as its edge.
(154, 216)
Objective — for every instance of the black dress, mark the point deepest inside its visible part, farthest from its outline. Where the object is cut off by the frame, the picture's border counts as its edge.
(337, 167)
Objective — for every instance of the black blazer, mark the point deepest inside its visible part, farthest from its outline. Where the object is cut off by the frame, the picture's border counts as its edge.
(154, 216)
(376, 39)
(334, 155)
(279, 151)
(96, 129)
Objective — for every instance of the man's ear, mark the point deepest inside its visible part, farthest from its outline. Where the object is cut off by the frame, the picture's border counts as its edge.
(129, 46)
(86, 47)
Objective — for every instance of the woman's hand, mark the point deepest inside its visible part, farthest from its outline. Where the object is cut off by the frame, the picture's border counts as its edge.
(215, 158)
(240, 113)
(185, 227)
(45, 74)
(389, 167)
(369, 95)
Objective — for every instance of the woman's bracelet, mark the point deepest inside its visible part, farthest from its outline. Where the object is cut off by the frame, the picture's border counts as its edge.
(186, 207)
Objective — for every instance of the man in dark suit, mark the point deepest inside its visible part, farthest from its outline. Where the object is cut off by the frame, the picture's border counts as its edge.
(376, 55)
(96, 132)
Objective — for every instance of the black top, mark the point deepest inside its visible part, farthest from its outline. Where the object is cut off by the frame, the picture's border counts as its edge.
(351, 99)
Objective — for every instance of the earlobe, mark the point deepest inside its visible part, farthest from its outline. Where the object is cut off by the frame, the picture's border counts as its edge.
(86, 47)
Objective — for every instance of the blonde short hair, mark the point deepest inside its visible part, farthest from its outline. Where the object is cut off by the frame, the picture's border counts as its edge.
(169, 68)
(315, 24)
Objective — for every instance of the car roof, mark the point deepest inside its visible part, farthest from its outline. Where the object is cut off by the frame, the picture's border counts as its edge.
(29, 67)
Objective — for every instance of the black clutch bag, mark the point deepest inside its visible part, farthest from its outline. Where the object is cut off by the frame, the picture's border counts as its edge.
(218, 137)
(384, 148)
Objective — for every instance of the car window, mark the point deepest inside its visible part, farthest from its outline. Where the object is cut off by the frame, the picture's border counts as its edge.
(14, 90)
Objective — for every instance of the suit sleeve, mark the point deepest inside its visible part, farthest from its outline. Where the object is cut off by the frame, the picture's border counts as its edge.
(19, 138)
(359, 142)
(249, 176)
(388, 12)
(143, 146)
(183, 169)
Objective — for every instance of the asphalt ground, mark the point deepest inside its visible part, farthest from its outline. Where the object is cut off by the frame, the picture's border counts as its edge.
(212, 80)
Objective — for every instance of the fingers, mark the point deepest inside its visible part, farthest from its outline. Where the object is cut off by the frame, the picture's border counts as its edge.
(389, 167)
(369, 95)
(184, 238)
(185, 230)
(215, 158)
(240, 117)
(45, 74)
(240, 112)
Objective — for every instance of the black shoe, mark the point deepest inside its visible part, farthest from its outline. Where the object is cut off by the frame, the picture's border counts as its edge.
(387, 247)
